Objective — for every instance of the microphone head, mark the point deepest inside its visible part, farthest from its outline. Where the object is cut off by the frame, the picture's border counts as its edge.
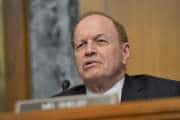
(65, 85)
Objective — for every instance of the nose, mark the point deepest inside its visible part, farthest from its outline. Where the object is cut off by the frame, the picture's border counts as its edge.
(90, 49)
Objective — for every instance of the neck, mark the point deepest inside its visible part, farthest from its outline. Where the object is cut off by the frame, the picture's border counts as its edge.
(102, 85)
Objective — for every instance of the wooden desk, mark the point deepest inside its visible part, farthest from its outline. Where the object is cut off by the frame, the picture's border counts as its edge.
(168, 109)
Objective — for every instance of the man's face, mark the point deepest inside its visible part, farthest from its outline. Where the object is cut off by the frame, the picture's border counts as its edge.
(98, 51)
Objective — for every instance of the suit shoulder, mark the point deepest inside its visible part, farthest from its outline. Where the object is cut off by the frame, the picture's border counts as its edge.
(147, 87)
(150, 78)
(158, 84)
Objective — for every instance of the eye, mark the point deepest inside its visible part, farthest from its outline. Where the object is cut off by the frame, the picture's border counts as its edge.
(80, 45)
(101, 41)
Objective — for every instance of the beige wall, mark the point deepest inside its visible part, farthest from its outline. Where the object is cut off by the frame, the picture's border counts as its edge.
(1, 62)
(154, 32)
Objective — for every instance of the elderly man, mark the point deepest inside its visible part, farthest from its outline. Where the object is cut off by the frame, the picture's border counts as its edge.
(101, 53)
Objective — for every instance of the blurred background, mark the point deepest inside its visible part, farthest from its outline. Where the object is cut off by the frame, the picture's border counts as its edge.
(2, 70)
(35, 53)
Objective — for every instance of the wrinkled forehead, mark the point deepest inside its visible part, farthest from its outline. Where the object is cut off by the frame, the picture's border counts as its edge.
(95, 22)
(88, 20)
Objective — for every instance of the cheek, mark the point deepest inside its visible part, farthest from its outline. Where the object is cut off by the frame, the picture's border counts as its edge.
(78, 60)
(112, 58)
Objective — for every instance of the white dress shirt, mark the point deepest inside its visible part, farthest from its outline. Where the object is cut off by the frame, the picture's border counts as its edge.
(116, 89)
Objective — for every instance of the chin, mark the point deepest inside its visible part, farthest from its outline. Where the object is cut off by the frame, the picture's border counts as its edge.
(92, 76)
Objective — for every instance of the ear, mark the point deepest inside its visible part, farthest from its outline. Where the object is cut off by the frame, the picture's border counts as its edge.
(125, 52)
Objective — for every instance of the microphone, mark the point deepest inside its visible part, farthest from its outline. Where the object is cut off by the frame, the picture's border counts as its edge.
(65, 85)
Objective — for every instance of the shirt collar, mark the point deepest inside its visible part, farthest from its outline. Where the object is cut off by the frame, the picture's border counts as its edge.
(115, 89)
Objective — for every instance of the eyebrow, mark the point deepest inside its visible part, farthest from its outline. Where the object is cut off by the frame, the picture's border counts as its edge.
(98, 35)
(95, 37)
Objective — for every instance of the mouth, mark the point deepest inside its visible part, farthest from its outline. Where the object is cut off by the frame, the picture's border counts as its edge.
(89, 64)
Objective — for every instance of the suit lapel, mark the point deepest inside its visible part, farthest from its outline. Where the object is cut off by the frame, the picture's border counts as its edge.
(133, 89)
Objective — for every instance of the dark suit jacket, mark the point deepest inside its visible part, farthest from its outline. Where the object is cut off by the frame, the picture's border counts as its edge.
(138, 87)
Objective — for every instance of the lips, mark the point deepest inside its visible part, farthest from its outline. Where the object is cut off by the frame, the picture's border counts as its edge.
(90, 64)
